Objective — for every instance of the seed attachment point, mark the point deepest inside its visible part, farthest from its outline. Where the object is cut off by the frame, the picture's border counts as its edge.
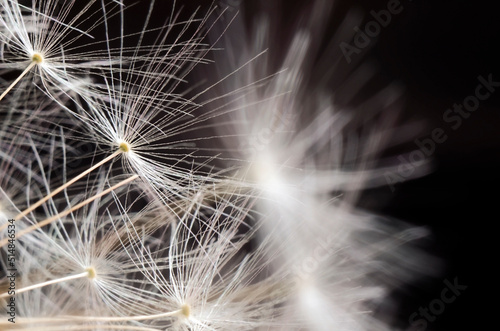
(91, 273)
(124, 147)
(185, 310)
(37, 58)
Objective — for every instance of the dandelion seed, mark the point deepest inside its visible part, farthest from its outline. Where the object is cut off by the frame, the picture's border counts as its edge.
(143, 116)
(46, 36)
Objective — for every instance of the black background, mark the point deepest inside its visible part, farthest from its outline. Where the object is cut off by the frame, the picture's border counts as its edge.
(437, 50)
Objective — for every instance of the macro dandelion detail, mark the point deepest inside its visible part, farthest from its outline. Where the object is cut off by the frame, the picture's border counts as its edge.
(193, 174)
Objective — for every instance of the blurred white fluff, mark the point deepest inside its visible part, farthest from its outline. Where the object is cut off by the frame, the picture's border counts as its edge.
(293, 148)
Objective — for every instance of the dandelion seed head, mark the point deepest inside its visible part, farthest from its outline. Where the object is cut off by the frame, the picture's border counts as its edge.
(124, 146)
(92, 272)
(185, 310)
(37, 58)
(290, 246)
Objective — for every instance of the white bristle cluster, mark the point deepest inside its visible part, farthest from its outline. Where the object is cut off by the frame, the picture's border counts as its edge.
(135, 196)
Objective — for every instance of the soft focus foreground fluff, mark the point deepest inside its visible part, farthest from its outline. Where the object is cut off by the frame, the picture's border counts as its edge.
(135, 197)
